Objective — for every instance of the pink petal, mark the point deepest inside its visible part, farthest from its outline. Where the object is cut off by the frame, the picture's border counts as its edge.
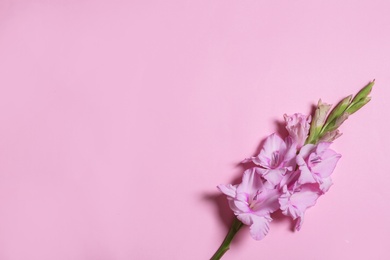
(251, 182)
(229, 190)
(306, 176)
(273, 144)
(326, 184)
(322, 147)
(299, 223)
(272, 176)
(327, 165)
(306, 197)
(267, 202)
(306, 150)
(260, 227)
(239, 206)
(245, 218)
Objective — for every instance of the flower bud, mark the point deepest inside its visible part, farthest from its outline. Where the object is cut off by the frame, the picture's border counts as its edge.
(358, 105)
(339, 109)
(298, 126)
(318, 121)
(363, 93)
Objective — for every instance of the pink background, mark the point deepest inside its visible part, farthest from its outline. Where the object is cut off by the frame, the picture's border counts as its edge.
(119, 118)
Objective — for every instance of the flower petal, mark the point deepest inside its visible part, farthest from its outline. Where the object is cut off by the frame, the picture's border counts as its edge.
(328, 163)
(251, 182)
(273, 148)
(325, 184)
(229, 190)
(260, 227)
(273, 176)
(266, 203)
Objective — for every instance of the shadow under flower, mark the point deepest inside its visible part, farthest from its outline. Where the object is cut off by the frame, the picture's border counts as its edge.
(278, 217)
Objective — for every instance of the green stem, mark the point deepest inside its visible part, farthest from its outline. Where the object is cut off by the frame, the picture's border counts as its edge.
(228, 239)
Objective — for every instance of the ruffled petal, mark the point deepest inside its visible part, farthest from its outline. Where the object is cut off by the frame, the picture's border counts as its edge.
(260, 227)
(295, 203)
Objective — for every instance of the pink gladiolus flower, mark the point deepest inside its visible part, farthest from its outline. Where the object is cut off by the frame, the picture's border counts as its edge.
(317, 163)
(275, 158)
(298, 126)
(294, 202)
(252, 202)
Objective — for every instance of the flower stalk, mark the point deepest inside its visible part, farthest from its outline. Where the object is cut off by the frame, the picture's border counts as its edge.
(236, 226)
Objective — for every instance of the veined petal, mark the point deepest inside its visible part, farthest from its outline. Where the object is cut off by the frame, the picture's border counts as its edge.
(327, 165)
(266, 203)
(274, 148)
(306, 197)
(273, 176)
(290, 179)
(305, 176)
(295, 203)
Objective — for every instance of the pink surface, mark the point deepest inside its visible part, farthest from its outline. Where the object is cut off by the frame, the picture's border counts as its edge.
(118, 120)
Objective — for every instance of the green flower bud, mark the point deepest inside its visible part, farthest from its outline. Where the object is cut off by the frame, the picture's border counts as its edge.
(358, 105)
(339, 109)
(318, 121)
(336, 123)
(363, 93)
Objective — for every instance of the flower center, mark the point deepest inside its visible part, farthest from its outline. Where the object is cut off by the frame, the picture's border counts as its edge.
(275, 159)
(254, 199)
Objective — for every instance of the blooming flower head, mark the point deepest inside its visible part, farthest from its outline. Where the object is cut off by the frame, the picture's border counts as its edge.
(295, 201)
(252, 202)
(298, 126)
(317, 163)
(275, 158)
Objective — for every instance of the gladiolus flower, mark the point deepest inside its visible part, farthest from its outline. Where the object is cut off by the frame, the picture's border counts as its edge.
(275, 158)
(252, 202)
(294, 202)
(317, 163)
